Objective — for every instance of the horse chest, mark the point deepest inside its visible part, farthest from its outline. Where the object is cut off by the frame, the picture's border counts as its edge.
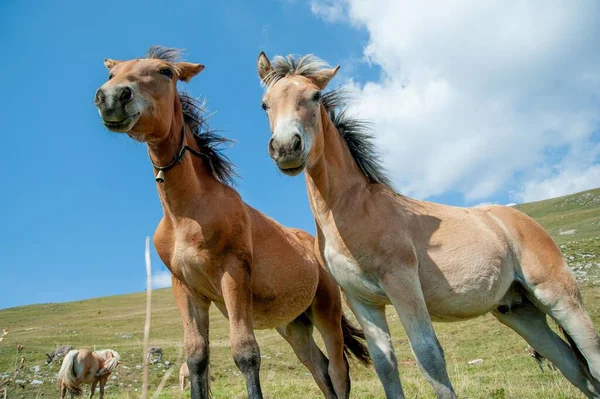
(349, 275)
(189, 257)
(194, 265)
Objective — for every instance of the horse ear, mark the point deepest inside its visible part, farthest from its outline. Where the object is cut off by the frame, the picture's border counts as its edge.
(324, 76)
(187, 70)
(263, 65)
(110, 64)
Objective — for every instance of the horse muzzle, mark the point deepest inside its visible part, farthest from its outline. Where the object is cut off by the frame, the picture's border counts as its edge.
(289, 155)
(116, 107)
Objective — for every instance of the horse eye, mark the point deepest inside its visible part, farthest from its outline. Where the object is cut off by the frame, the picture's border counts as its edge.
(166, 72)
(110, 76)
(264, 106)
(317, 96)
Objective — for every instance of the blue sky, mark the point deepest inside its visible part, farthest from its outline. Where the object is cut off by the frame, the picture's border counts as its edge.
(79, 201)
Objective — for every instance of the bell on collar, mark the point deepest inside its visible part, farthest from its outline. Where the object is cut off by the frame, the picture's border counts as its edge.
(160, 177)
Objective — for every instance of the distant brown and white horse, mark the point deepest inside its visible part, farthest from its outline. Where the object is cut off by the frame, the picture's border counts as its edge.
(258, 273)
(430, 261)
(82, 366)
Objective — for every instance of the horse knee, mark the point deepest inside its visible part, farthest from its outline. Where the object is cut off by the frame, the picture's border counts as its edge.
(247, 356)
(198, 363)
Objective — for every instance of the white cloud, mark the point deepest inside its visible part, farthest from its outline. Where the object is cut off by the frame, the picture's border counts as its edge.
(475, 95)
(566, 182)
(576, 172)
(331, 11)
(161, 279)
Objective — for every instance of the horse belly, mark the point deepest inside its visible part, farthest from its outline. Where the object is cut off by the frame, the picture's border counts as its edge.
(90, 377)
(276, 311)
(348, 274)
(283, 289)
(467, 289)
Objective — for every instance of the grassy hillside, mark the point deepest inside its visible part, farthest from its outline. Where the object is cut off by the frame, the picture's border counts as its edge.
(117, 322)
(574, 223)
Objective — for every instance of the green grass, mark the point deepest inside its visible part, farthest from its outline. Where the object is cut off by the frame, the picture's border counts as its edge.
(117, 323)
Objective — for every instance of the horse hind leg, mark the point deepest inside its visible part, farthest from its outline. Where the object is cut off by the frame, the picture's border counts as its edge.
(550, 285)
(298, 334)
(530, 323)
(579, 331)
(579, 360)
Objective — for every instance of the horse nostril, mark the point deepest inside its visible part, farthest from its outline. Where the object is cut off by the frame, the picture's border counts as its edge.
(272, 149)
(126, 94)
(99, 97)
(297, 143)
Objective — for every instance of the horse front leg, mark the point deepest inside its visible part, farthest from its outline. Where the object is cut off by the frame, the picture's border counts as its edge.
(374, 324)
(93, 390)
(403, 287)
(237, 294)
(194, 313)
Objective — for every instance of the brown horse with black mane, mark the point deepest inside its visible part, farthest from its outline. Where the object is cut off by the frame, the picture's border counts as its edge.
(219, 250)
(430, 261)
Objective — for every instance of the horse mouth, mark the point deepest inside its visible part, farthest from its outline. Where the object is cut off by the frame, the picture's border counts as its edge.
(294, 171)
(123, 125)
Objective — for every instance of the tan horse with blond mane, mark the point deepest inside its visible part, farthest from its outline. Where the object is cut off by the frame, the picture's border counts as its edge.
(258, 273)
(430, 261)
(82, 366)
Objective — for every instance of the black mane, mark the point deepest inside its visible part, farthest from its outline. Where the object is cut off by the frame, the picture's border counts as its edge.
(209, 141)
(358, 136)
(194, 115)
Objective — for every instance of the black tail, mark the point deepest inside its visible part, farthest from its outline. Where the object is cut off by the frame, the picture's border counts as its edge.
(352, 345)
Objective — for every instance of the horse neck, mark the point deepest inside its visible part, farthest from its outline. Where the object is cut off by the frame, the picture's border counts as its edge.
(188, 184)
(335, 175)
